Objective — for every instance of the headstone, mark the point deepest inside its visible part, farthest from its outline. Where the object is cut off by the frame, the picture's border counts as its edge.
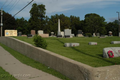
(98, 34)
(71, 44)
(62, 33)
(32, 32)
(111, 52)
(29, 35)
(40, 32)
(44, 35)
(115, 42)
(92, 43)
(67, 32)
(94, 35)
(19, 33)
(80, 33)
(24, 35)
(110, 33)
(102, 36)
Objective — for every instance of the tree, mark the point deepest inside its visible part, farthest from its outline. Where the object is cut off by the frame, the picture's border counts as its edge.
(9, 21)
(75, 24)
(112, 26)
(22, 25)
(94, 23)
(37, 17)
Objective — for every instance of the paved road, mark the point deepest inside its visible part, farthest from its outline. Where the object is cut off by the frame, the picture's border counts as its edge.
(20, 70)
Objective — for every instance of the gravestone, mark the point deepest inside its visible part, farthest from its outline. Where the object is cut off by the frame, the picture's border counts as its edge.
(111, 52)
(62, 33)
(29, 35)
(67, 32)
(52, 34)
(40, 32)
(98, 34)
(80, 33)
(19, 33)
(115, 42)
(71, 44)
(32, 32)
(102, 36)
(92, 43)
(110, 33)
(94, 35)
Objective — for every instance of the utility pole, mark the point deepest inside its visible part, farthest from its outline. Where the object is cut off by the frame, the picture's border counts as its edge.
(118, 24)
(1, 21)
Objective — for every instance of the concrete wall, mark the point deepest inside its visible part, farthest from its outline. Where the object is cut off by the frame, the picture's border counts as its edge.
(70, 68)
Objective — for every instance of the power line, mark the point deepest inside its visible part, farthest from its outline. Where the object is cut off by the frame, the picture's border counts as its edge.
(3, 4)
(14, 4)
(23, 8)
(20, 10)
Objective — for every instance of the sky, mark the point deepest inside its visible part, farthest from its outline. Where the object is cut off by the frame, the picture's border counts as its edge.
(79, 8)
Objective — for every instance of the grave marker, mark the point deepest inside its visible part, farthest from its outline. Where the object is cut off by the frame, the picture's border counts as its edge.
(111, 52)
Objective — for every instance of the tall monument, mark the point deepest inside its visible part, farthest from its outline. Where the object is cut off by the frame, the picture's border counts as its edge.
(59, 32)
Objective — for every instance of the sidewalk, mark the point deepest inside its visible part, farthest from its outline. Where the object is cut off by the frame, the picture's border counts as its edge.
(21, 71)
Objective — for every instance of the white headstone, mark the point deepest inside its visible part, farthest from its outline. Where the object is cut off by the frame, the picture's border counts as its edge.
(111, 52)
(40, 31)
(71, 44)
(62, 33)
(94, 35)
(92, 43)
(67, 32)
(115, 42)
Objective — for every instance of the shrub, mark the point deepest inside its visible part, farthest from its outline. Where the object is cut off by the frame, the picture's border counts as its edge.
(39, 41)
(88, 34)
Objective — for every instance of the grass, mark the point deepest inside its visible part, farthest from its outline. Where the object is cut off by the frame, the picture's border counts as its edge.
(87, 54)
(5, 75)
(33, 63)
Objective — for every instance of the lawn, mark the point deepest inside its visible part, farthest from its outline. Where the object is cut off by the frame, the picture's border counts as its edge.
(88, 54)
(5, 75)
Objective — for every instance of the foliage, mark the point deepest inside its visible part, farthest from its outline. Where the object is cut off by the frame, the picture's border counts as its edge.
(37, 17)
(94, 22)
(39, 41)
(88, 34)
(22, 25)
(112, 26)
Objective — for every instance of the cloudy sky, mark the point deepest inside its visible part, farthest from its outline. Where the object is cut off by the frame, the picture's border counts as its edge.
(105, 8)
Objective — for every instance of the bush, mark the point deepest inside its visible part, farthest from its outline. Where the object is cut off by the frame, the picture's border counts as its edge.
(88, 34)
(39, 41)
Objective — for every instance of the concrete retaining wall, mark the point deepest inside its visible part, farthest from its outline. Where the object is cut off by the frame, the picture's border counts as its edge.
(72, 69)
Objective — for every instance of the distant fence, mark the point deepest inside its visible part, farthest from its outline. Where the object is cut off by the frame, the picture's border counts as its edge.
(70, 68)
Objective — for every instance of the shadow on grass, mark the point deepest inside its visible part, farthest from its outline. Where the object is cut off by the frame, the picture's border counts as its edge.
(100, 56)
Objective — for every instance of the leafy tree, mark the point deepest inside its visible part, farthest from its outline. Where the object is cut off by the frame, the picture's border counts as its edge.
(94, 23)
(112, 26)
(22, 25)
(37, 17)
(39, 42)
(75, 24)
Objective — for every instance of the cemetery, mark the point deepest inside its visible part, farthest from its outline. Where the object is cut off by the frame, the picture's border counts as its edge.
(92, 52)
(92, 60)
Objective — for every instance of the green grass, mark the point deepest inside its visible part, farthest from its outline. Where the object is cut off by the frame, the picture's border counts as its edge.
(87, 54)
(5, 75)
(33, 63)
